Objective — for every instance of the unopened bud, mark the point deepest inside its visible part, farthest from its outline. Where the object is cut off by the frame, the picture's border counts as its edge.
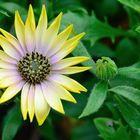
(106, 68)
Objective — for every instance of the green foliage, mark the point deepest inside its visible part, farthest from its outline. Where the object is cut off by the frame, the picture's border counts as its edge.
(96, 99)
(135, 4)
(12, 7)
(112, 30)
(4, 13)
(111, 130)
(129, 113)
(12, 123)
(130, 72)
(94, 28)
(130, 93)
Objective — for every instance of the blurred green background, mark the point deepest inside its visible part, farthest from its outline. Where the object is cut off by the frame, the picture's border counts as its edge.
(112, 30)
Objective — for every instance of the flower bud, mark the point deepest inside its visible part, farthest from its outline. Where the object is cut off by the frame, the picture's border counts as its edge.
(106, 68)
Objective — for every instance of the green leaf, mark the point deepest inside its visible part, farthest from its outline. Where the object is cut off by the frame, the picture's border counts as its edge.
(111, 130)
(12, 7)
(112, 107)
(138, 29)
(105, 127)
(96, 99)
(129, 113)
(97, 30)
(136, 65)
(79, 20)
(121, 134)
(81, 50)
(135, 4)
(128, 76)
(4, 13)
(94, 28)
(120, 80)
(12, 123)
(130, 93)
(131, 71)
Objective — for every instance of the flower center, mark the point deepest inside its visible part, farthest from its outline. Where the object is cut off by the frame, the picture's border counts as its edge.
(34, 67)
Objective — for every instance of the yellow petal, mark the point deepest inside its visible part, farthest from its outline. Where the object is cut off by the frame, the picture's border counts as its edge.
(71, 70)
(69, 62)
(8, 48)
(31, 106)
(11, 91)
(51, 97)
(60, 40)
(30, 31)
(19, 27)
(73, 39)
(62, 92)
(51, 33)
(41, 28)
(42, 109)
(31, 16)
(9, 80)
(67, 48)
(24, 100)
(14, 42)
(7, 58)
(63, 52)
(68, 83)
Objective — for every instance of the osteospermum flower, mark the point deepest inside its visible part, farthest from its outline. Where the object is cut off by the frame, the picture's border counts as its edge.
(34, 64)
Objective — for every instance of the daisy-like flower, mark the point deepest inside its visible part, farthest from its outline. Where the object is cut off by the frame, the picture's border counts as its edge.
(34, 64)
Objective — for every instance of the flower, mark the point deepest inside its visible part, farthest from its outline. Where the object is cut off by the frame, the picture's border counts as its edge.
(34, 64)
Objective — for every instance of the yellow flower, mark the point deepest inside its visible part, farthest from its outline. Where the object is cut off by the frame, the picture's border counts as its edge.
(34, 64)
